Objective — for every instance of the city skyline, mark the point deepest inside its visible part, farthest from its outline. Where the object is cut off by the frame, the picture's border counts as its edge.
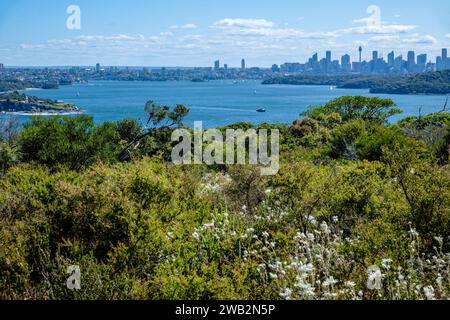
(173, 33)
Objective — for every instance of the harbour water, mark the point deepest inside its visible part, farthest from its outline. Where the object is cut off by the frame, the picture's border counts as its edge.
(217, 102)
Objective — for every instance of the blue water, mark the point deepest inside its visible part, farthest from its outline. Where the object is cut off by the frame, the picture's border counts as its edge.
(216, 102)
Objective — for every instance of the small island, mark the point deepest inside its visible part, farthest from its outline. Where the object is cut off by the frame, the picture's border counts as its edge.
(15, 102)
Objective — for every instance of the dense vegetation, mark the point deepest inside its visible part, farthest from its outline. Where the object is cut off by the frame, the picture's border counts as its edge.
(15, 102)
(14, 84)
(352, 193)
(420, 83)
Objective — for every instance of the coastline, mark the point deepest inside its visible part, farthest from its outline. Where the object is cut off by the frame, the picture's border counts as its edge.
(19, 113)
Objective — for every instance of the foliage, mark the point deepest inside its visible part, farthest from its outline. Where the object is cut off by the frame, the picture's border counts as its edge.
(352, 193)
(162, 114)
(74, 142)
(356, 108)
(420, 83)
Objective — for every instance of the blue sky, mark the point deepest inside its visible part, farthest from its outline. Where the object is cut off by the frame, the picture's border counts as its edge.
(196, 32)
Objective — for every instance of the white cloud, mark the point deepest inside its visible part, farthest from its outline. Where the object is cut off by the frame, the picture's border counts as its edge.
(265, 29)
(185, 26)
(118, 37)
(417, 39)
(384, 38)
(244, 23)
(378, 29)
(188, 26)
(166, 33)
(448, 35)
(280, 33)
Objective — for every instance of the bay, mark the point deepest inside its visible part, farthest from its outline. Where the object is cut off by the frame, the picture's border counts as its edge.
(217, 102)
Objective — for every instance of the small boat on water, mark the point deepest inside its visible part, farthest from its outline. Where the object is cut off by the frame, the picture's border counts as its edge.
(261, 110)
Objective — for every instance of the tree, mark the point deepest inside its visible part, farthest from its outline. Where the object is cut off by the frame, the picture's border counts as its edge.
(163, 120)
(162, 115)
(349, 108)
(68, 141)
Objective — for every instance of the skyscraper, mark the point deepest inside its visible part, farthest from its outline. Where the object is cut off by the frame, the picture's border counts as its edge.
(374, 55)
(445, 62)
(439, 63)
(243, 64)
(345, 63)
(411, 63)
(328, 56)
(217, 64)
(421, 62)
(391, 58)
(97, 67)
(2, 66)
(360, 54)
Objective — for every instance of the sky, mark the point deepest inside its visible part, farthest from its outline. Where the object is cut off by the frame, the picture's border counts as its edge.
(196, 32)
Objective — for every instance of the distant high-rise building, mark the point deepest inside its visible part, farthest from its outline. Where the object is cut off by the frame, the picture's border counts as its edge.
(445, 62)
(217, 64)
(411, 62)
(391, 58)
(421, 62)
(97, 67)
(328, 56)
(360, 54)
(243, 64)
(374, 55)
(345, 63)
(439, 64)
(275, 68)
(399, 63)
(2, 66)
(225, 66)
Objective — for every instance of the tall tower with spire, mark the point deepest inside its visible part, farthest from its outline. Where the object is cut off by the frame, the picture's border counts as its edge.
(360, 54)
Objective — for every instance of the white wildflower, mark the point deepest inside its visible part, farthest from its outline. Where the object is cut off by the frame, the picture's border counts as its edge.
(350, 284)
(324, 228)
(429, 293)
(286, 293)
(196, 236)
(330, 282)
(312, 220)
(386, 263)
(413, 233)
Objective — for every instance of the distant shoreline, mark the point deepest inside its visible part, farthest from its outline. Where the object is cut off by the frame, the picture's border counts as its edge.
(16, 103)
(47, 113)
